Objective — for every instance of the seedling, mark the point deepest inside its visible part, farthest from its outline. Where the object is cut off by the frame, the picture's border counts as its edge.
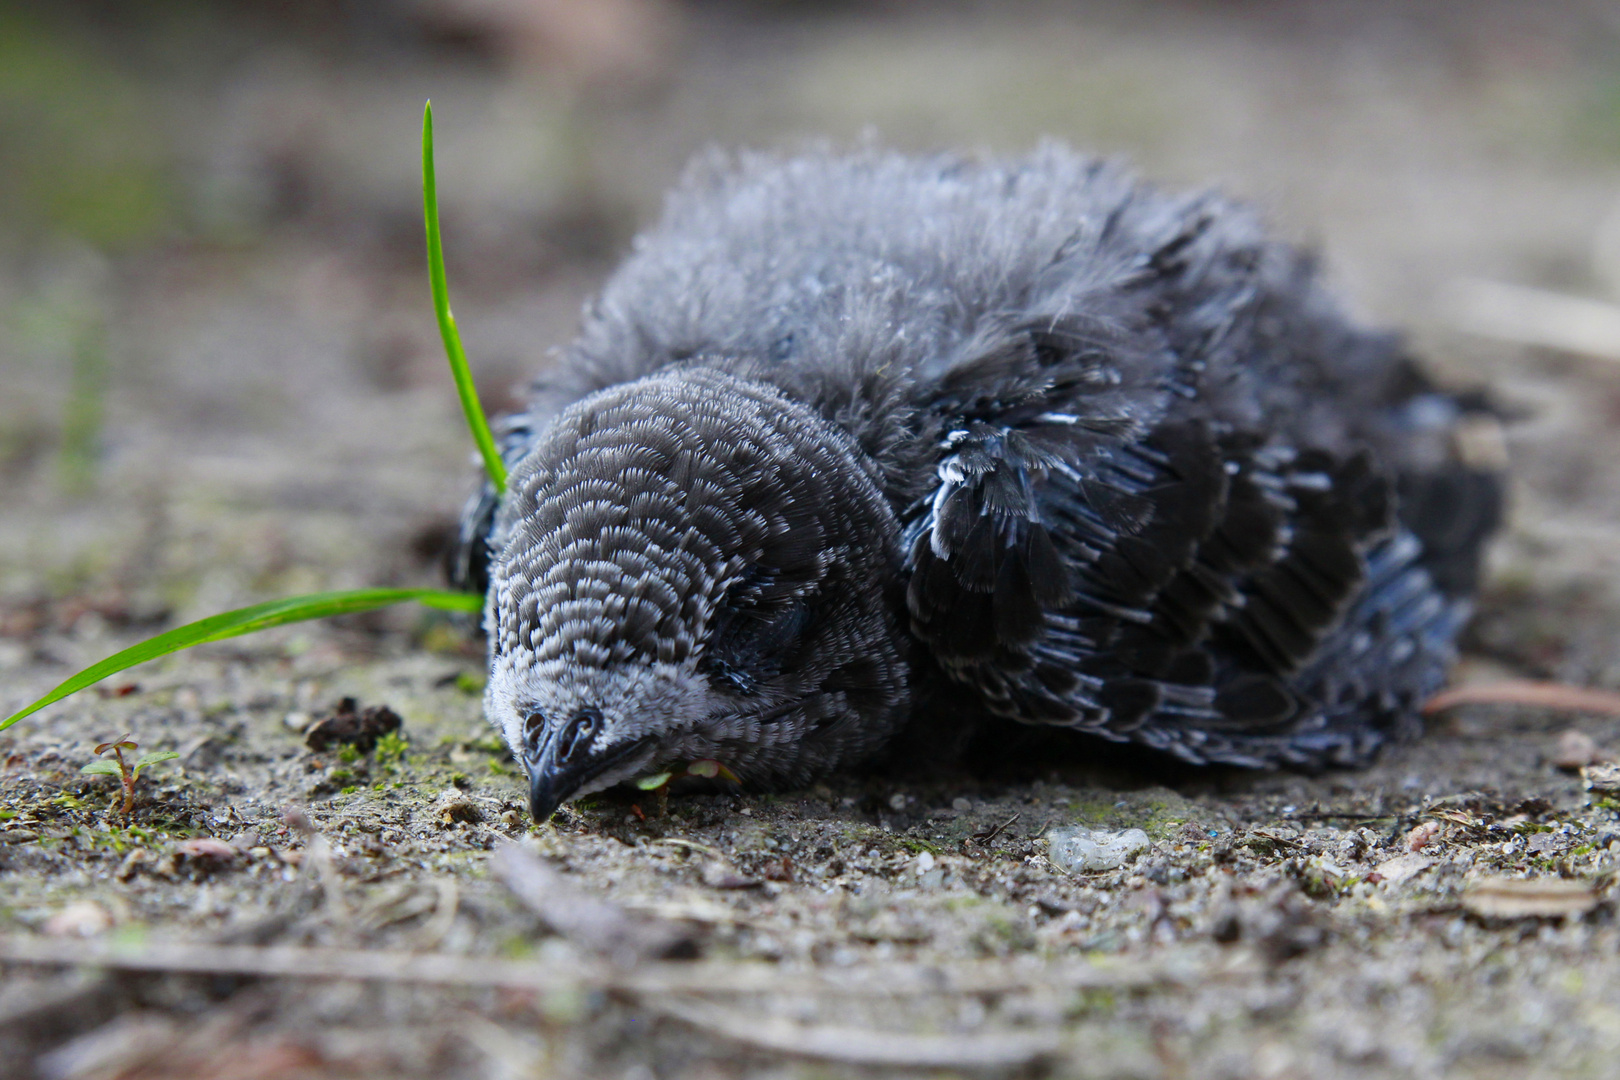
(705, 768)
(126, 772)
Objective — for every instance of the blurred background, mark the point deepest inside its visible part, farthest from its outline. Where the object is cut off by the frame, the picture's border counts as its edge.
(219, 374)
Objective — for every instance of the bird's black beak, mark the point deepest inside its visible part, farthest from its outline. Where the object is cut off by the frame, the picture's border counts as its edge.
(561, 759)
(547, 791)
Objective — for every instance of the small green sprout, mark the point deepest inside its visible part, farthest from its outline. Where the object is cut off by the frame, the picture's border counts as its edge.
(655, 781)
(126, 772)
(706, 768)
(709, 769)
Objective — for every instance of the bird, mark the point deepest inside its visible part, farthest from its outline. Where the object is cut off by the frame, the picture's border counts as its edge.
(854, 441)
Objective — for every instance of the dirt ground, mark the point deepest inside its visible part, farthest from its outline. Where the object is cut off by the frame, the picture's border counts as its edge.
(221, 384)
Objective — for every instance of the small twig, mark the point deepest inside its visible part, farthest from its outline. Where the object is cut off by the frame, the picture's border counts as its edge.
(690, 845)
(1547, 695)
(1536, 317)
(588, 920)
(986, 837)
(556, 973)
(863, 1046)
(318, 860)
(63, 996)
(1048, 861)
(1337, 815)
(447, 900)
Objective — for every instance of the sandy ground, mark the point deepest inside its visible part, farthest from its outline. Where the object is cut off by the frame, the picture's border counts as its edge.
(245, 400)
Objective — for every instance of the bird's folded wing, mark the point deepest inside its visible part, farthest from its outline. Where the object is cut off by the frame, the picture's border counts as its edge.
(1194, 589)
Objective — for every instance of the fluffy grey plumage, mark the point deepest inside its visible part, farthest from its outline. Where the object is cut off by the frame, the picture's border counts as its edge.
(849, 436)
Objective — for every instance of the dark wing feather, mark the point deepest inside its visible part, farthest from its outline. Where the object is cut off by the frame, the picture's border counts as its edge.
(1214, 595)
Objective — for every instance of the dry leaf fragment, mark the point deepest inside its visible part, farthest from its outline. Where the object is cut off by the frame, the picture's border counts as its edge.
(205, 848)
(587, 919)
(1516, 898)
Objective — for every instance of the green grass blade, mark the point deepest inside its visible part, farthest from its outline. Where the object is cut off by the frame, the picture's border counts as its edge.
(246, 620)
(477, 423)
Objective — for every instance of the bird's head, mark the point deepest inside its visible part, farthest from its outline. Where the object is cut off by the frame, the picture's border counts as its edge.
(692, 566)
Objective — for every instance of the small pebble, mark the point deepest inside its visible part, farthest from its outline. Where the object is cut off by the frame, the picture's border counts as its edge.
(1575, 750)
(453, 808)
(297, 820)
(1075, 849)
(206, 848)
(961, 805)
(1227, 927)
(1422, 836)
(83, 918)
(1400, 868)
(1602, 779)
(132, 863)
(1351, 847)
(719, 874)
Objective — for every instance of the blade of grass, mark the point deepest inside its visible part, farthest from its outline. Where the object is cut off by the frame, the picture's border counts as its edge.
(477, 423)
(246, 620)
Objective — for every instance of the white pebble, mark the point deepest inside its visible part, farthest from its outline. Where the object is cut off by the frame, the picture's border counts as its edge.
(1075, 849)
